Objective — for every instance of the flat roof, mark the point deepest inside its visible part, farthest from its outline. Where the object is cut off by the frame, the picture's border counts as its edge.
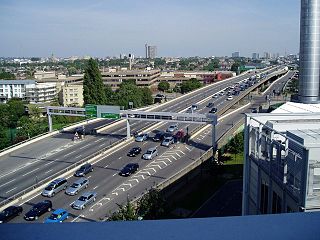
(17, 81)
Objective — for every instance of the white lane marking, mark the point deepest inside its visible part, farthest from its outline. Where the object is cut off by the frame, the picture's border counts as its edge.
(115, 193)
(11, 190)
(89, 177)
(77, 218)
(30, 172)
(69, 153)
(49, 171)
(114, 174)
(106, 166)
(188, 148)
(178, 155)
(120, 157)
(174, 157)
(49, 163)
(78, 156)
(101, 145)
(7, 183)
(95, 187)
(84, 146)
(98, 140)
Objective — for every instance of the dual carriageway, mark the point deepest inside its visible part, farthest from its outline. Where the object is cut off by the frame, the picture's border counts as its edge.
(40, 160)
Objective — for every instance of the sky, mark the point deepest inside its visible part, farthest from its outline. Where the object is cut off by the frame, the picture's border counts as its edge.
(179, 28)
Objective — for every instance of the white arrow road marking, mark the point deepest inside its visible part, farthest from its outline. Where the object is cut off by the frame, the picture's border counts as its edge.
(174, 157)
(136, 180)
(146, 173)
(123, 189)
(178, 155)
(155, 165)
(127, 184)
(162, 162)
(164, 159)
(150, 169)
(143, 176)
(115, 193)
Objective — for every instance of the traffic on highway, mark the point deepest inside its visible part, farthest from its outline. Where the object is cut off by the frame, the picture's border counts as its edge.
(124, 171)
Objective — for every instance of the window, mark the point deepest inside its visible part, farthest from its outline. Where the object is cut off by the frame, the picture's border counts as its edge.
(276, 203)
(264, 198)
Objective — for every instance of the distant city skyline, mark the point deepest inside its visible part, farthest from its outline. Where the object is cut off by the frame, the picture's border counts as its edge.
(178, 29)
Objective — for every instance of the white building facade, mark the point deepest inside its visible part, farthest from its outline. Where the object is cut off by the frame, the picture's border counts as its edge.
(13, 89)
(282, 163)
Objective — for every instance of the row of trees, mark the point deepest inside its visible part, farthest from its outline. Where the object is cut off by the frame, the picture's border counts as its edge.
(95, 92)
(6, 75)
(151, 206)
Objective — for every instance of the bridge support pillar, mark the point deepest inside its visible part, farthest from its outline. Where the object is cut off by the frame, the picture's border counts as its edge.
(50, 122)
(128, 129)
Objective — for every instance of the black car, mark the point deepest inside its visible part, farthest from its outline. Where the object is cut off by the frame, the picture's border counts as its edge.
(9, 213)
(83, 170)
(213, 110)
(37, 210)
(210, 104)
(158, 137)
(134, 152)
(129, 169)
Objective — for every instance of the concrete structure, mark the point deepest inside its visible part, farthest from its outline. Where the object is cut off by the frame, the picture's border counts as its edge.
(142, 78)
(13, 89)
(41, 92)
(255, 56)
(177, 77)
(72, 95)
(44, 75)
(152, 52)
(282, 167)
(309, 51)
(236, 54)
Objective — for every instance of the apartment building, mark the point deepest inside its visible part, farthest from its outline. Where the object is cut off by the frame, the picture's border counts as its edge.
(72, 95)
(142, 78)
(41, 92)
(13, 89)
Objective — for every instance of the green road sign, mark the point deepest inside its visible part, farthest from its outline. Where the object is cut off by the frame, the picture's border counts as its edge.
(110, 115)
(91, 110)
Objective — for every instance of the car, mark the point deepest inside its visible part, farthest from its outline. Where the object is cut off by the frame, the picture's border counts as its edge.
(58, 216)
(194, 107)
(167, 141)
(215, 96)
(159, 136)
(254, 110)
(129, 169)
(80, 130)
(179, 135)
(9, 213)
(210, 104)
(83, 170)
(77, 186)
(84, 200)
(55, 187)
(134, 151)
(229, 98)
(142, 137)
(150, 154)
(213, 110)
(221, 93)
(37, 210)
(172, 128)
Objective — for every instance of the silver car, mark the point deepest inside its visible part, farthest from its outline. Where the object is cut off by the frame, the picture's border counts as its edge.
(150, 153)
(55, 187)
(142, 137)
(172, 128)
(77, 186)
(85, 199)
(167, 141)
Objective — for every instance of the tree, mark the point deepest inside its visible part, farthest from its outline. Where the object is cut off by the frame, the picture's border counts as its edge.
(190, 85)
(16, 111)
(151, 205)
(7, 76)
(128, 92)
(146, 96)
(109, 95)
(126, 213)
(236, 144)
(163, 86)
(93, 88)
(235, 67)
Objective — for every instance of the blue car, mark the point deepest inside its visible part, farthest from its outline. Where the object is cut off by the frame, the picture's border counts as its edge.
(57, 216)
